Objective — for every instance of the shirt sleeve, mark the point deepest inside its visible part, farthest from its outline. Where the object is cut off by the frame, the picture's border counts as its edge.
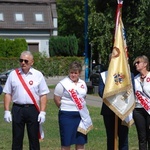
(43, 88)
(8, 87)
(133, 84)
(59, 90)
(101, 87)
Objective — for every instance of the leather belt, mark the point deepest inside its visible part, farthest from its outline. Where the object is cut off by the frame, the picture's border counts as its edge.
(23, 105)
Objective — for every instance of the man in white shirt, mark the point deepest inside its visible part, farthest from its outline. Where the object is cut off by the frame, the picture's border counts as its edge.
(27, 89)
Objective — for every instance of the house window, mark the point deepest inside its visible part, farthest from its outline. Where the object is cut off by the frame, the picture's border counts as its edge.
(1, 17)
(19, 17)
(33, 47)
(39, 17)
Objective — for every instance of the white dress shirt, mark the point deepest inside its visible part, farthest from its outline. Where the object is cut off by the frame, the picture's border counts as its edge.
(35, 81)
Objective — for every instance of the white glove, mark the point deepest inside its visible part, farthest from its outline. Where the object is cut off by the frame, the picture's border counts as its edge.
(7, 116)
(41, 117)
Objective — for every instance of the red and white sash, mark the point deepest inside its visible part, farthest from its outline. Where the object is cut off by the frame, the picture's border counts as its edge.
(141, 96)
(41, 132)
(85, 124)
(143, 100)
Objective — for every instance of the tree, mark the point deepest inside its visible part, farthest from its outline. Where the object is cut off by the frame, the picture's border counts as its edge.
(101, 29)
(135, 15)
(136, 21)
(71, 20)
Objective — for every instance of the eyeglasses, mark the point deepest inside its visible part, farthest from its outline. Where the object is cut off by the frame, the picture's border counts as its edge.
(21, 60)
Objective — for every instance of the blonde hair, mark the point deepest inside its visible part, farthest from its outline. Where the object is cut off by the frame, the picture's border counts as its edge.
(144, 59)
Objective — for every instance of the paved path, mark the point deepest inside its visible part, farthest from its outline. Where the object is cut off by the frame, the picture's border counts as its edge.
(90, 99)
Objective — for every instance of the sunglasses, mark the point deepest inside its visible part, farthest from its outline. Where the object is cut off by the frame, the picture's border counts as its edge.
(138, 62)
(21, 60)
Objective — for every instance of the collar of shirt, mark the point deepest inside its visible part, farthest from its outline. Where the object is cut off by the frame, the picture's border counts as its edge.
(30, 71)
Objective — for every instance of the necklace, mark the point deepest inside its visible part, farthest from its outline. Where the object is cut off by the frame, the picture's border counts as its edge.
(143, 77)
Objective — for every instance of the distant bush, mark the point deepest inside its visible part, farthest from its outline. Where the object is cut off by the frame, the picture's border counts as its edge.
(63, 46)
(12, 48)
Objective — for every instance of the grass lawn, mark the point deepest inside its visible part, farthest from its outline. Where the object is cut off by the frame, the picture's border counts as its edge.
(96, 137)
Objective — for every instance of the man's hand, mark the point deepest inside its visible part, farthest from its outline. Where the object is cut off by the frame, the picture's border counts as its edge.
(41, 117)
(7, 116)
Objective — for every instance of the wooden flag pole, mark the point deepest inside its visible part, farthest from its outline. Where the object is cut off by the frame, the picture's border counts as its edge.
(116, 133)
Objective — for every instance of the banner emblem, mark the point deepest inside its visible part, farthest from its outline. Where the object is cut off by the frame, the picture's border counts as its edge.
(118, 78)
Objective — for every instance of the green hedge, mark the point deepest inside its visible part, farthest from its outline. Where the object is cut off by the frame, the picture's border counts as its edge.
(53, 66)
(11, 48)
(63, 46)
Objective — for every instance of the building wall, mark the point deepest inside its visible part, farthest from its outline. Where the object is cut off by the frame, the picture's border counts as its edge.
(41, 39)
(36, 31)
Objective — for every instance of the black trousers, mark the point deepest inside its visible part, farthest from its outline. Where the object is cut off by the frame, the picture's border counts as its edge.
(109, 122)
(25, 115)
(142, 122)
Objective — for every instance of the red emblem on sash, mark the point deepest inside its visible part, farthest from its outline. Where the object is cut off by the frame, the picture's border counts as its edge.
(148, 79)
(82, 86)
(30, 82)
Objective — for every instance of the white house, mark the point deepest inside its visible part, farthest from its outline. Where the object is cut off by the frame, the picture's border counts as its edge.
(33, 20)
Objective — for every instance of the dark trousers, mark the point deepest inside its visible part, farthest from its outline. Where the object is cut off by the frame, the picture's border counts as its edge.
(109, 122)
(142, 122)
(21, 116)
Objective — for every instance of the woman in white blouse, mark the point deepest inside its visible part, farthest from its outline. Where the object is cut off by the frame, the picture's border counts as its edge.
(141, 113)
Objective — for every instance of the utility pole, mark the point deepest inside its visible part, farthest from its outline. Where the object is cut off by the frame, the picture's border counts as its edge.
(86, 42)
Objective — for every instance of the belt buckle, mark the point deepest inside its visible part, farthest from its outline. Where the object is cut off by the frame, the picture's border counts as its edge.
(27, 105)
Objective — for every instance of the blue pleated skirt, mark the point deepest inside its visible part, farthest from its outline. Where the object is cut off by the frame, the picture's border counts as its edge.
(68, 124)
